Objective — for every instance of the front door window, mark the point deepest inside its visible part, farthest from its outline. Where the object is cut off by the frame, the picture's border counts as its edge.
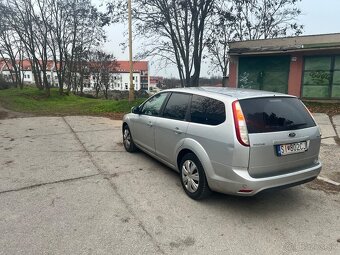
(153, 106)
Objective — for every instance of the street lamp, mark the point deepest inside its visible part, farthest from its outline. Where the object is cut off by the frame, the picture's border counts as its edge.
(131, 90)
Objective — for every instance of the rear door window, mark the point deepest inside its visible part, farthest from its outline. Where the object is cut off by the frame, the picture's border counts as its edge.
(205, 110)
(177, 106)
(275, 114)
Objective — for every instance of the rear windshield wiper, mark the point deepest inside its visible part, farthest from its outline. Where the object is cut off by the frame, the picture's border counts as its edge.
(296, 126)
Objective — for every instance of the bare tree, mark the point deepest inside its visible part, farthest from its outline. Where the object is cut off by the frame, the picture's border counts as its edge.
(101, 66)
(22, 18)
(88, 33)
(11, 52)
(239, 20)
(220, 34)
(175, 31)
(263, 19)
(10, 49)
(61, 30)
(41, 21)
(59, 35)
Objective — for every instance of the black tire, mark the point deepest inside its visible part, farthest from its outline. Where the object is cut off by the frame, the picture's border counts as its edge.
(189, 184)
(128, 143)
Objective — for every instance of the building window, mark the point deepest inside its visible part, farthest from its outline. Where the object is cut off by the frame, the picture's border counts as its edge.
(321, 78)
(28, 76)
(336, 78)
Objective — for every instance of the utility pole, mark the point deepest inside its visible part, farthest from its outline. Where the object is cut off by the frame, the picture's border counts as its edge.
(132, 89)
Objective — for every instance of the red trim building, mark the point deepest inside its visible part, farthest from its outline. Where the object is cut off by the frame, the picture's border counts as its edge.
(304, 66)
(120, 74)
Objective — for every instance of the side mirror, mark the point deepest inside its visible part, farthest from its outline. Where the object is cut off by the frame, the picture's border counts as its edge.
(135, 110)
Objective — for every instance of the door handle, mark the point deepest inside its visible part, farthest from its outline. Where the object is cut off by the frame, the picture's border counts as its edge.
(177, 131)
(149, 124)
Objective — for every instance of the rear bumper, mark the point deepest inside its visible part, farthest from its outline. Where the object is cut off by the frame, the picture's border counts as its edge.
(239, 179)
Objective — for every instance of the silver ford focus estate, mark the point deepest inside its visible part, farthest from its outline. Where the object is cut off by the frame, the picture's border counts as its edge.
(233, 141)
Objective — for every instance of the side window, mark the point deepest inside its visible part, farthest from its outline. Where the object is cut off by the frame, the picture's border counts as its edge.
(153, 106)
(207, 111)
(177, 106)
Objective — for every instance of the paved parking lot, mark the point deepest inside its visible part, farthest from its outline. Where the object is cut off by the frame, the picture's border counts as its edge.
(68, 187)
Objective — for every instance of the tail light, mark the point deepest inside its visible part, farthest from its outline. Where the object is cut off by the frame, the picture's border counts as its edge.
(240, 124)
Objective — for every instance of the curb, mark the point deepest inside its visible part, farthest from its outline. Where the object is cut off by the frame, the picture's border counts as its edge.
(324, 179)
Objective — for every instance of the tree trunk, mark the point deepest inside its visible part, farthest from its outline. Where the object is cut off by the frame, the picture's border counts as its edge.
(48, 91)
(195, 79)
(61, 90)
(224, 81)
(225, 78)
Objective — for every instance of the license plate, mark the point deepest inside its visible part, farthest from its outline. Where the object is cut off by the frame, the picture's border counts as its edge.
(291, 148)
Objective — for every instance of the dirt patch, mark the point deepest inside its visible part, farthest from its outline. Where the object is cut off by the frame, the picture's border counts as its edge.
(324, 186)
(125, 220)
(329, 107)
(3, 115)
(8, 114)
(114, 115)
(189, 241)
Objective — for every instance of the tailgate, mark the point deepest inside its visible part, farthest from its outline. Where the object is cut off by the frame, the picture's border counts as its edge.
(282, 134)
(266, 160)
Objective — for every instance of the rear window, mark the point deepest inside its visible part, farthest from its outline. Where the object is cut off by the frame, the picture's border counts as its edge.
(275, 114)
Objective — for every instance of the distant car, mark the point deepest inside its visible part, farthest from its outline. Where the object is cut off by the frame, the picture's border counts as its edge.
(233, 141)
(153, 90)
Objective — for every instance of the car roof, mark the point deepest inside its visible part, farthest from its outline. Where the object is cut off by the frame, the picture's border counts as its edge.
(233, 93)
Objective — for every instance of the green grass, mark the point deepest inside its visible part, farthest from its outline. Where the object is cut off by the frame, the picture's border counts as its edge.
(31, 100)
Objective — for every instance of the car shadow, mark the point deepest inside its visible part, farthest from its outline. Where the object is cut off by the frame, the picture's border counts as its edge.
(288, 201)
(263, 204)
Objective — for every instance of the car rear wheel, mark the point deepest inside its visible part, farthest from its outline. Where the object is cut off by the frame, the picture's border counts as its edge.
(193, 177)
(129, 145)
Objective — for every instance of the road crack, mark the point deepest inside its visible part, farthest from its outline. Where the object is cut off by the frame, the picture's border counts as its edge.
(49, 183)
(115, 189)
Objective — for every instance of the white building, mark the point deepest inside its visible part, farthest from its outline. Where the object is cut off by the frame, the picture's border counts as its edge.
(6, 71)
(119, 76)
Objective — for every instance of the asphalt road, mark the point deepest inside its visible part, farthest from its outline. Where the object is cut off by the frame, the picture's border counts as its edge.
(68, 187)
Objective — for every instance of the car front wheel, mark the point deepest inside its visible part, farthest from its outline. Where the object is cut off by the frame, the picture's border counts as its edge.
(127, 140)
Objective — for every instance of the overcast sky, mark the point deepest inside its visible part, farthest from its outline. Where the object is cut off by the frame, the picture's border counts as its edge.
(318, 17)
